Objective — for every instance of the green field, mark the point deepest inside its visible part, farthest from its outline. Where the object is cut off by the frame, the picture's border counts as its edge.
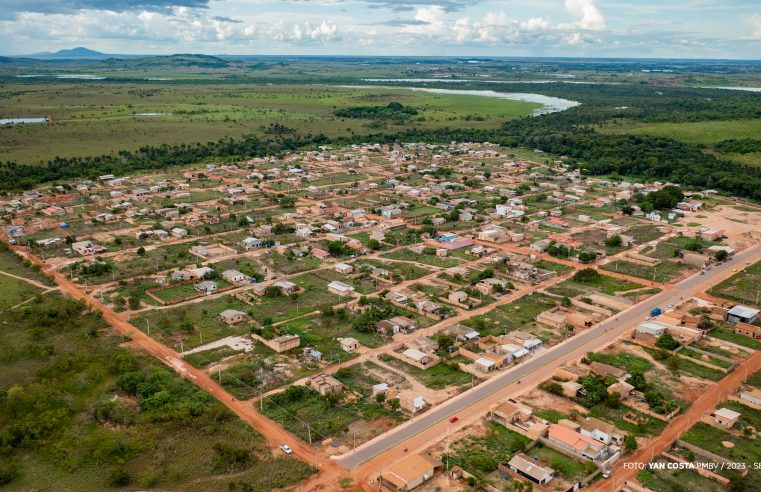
(79, 412)
(99, 118)
(742, 287)
(699, 132)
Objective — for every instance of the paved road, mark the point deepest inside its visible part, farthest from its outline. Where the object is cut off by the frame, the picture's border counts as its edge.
(483, 395)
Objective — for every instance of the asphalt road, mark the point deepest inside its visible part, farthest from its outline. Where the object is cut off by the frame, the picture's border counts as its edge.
(593, 339)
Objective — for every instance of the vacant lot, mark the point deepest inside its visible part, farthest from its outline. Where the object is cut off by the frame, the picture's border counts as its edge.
(743, 287)
(437, 377)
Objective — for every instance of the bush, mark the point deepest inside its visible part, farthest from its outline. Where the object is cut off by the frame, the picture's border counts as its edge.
(118, 478)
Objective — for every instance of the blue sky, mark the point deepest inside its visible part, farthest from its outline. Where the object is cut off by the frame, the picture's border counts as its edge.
(643, 28)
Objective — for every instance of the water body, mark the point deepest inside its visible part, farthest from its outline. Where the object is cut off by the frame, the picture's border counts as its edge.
(736, 88)
(62, 76)
(489, 81)
(17, 121)
(549, 104)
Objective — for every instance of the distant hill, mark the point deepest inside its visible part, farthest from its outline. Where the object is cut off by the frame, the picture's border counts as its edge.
(78, 53)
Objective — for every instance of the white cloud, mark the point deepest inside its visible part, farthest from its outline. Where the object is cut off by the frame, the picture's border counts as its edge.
(755, 20)
(589, 14)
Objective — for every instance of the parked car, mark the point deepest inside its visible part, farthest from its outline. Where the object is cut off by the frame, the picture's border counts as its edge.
(286, 449)
(454, 419)
(606, 474)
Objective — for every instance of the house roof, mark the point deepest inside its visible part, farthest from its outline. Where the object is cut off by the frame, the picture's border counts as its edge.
(407, 470)
(727, 414)
(527, 466)
(229, 313)
(743, 311)
(573, 439)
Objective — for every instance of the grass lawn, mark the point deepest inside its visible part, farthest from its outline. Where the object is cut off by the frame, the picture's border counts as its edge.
(408, 255)
(408, 271)
(568, 468)
(663, 272)
(518, 315)
(205, 357)
(710, 438)
(481, 455)
(288, 266)
(698, 132)
(742, 287)
(675, 480)
(14, 291)
(602, 283)
(725, 332)
(437, 377)
(552, 266)
(184, 290)
(305, 412)
(622, 360)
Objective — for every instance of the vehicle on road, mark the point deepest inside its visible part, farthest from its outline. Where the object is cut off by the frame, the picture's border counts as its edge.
(702, 272)
(606, 474)
(286, 449)
(454, 419)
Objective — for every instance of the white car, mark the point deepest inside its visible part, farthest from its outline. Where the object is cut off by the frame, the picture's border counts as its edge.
(286, 449)
(606, 474)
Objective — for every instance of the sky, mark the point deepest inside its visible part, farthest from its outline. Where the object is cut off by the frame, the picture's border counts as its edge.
(593, 28)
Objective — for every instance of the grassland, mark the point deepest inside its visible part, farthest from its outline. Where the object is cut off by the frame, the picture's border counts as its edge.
(79, 412)
(698, 132)
(741, 287)
(436, 377)
(101, 118)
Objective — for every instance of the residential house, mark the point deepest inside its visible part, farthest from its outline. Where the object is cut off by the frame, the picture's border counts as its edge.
(343, 268)
(525, 466)
(326, 384)
(575, 443)
(206, 287)
(232, 316)
(464, 333)
(742, 313)
(250, 243)
(418, 357)
(409, 472)
(234, 276)
(349, 344)
(284, 342)
(725, 418)
(340, 288)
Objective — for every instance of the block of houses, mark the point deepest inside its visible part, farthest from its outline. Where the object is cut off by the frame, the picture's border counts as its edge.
(524, 339)
(349, 344)
(527, 467)
(326, 384)
(725, 418)
(232, 316)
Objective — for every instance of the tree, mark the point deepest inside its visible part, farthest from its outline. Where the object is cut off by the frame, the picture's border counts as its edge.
(613, 400)
(637, 379)
(374, 244)
(614, 241)
(554, 388)
(586, 276)
(721, 255)
(134, 302)
(141, 251)
(345, 483)
(630, 443)
(666, 341)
